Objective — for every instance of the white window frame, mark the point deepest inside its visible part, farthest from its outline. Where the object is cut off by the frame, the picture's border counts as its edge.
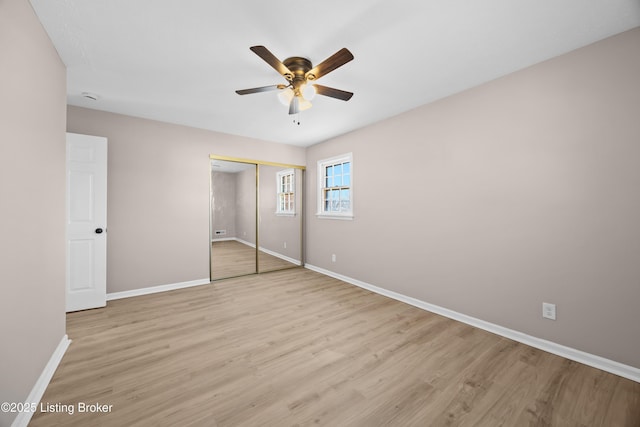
(280, 210)
(322, 165)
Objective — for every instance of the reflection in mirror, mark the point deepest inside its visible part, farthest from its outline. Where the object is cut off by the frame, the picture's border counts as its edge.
(233, 219)
(279, 217)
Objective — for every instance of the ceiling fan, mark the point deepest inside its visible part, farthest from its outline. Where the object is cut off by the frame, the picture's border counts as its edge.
(300, 75)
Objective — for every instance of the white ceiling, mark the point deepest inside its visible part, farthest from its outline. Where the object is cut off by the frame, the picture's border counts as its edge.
(181, 61)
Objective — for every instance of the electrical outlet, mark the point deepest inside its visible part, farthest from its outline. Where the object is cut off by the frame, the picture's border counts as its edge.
(333, 257)
(285, 245)
(549, 311)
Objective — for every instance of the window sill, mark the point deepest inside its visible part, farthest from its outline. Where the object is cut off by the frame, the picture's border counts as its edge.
(290, 214)
(343, 217)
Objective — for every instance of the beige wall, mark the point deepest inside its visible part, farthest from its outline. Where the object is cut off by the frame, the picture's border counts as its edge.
(158, 194)
(489, 202)
(32, 195)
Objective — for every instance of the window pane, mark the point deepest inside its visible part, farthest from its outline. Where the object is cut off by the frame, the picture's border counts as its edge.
(328, 176)
(330, 203)
(345, 200)
(335, 189)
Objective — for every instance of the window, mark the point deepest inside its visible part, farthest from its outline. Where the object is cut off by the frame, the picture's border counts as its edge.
(286, 203)
(335, 187)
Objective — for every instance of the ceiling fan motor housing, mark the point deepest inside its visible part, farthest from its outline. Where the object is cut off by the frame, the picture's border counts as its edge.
(299, 67)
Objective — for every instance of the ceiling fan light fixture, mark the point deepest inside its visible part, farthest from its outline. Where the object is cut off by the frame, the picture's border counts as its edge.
(285, 96)
(304, 104)
(308, 91)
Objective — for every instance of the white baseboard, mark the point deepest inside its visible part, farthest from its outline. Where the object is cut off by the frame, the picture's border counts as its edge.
(589, 359)
(244, 242)
(23, 418)
(277, 255)
(155, 289)
(223, 239)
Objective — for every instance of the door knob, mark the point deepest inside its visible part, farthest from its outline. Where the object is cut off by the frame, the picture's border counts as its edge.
(98, 230)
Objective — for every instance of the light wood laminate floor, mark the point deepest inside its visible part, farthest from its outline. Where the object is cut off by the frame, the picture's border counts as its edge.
(296, 348)
(230, 258)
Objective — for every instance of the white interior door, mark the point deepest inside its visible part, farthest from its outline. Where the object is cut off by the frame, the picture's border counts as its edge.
(86, 222)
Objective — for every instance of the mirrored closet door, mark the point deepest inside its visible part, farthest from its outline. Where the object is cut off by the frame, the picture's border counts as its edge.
(255, 216)
(279, 217)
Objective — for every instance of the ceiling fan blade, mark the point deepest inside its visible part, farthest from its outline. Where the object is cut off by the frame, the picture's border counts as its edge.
(260, 89)
(333, 93)
(270, 59)
(294, 106)
(336, 60)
